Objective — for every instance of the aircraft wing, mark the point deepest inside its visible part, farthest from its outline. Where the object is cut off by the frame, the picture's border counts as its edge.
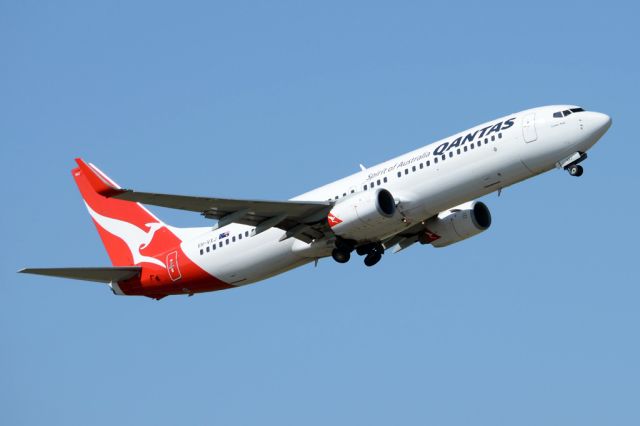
(301, 219)
(100, 275)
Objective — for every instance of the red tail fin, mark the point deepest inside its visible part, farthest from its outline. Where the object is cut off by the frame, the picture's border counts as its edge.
(129, 232)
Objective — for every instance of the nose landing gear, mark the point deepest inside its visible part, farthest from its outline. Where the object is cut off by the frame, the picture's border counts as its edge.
(575, 170)
(570, 164)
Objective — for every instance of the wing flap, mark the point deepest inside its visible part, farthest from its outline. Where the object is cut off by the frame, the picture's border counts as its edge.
(100, 274)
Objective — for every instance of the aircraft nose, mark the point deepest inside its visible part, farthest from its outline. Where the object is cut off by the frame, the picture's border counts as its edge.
(600, 122)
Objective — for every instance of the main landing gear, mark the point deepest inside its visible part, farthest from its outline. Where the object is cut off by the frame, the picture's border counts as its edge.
(374, 255)
(342, 253)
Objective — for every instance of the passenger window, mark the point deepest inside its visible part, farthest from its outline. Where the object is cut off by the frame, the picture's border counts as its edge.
(246, 233)
(406, 171)
(472, 146)
(435, 160)
(458, 152)
(493, 138)
(480, 143)
(399, 174)
(421, 166)
(239, 236)
(557, 114)
(226, 241)
(213, 247)
(233, 239)
(353, 190)
(385, 179)
(444, 157)
(451, 154)
(465, 149)
(220, 244)
(428, 163)
(413, 168)
(373, 184)
(207, 249)
(499, 135)
(344, 194)
(378, 182)
(201, 251)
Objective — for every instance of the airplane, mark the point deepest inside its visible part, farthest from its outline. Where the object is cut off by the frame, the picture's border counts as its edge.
(426, 196)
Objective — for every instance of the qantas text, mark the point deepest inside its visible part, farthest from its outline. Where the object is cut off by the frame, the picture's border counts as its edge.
(480, 133)
(446, 146)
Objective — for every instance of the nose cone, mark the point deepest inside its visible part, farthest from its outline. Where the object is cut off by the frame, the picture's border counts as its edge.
(601, 122)
(596, 125)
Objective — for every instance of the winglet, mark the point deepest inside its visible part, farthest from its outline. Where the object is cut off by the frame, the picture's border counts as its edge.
(98, 181)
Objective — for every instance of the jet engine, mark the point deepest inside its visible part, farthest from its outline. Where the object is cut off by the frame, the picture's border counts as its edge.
(365, 215)
(456, 224)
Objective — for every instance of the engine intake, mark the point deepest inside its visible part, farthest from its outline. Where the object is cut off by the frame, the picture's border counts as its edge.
(456, 224)
(385, 203)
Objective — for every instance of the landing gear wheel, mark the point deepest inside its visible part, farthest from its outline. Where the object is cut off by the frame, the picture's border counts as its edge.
(374, 254)
(365, 249)
(575, 170)
(341, 256)
(372, 258)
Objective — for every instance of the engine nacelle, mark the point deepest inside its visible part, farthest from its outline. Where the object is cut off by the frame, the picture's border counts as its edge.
(364, 215)
(456, 224)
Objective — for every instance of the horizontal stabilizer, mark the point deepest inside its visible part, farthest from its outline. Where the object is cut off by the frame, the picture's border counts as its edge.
(100, 275)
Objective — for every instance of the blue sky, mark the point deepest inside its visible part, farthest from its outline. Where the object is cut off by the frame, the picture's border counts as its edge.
(533, 322)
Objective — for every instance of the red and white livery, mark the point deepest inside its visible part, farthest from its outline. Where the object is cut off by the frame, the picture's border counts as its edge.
(425, 196)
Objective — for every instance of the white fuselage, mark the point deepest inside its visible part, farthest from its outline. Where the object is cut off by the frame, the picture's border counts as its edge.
(485, 158)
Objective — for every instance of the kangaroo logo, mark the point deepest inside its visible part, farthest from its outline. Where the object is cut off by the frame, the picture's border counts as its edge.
(431, 236)
(135, 238)
(333, 220)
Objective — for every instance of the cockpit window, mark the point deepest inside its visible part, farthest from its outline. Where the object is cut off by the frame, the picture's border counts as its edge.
(564, 113)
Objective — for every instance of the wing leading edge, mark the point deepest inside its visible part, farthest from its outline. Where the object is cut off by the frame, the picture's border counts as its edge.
(301, 219)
